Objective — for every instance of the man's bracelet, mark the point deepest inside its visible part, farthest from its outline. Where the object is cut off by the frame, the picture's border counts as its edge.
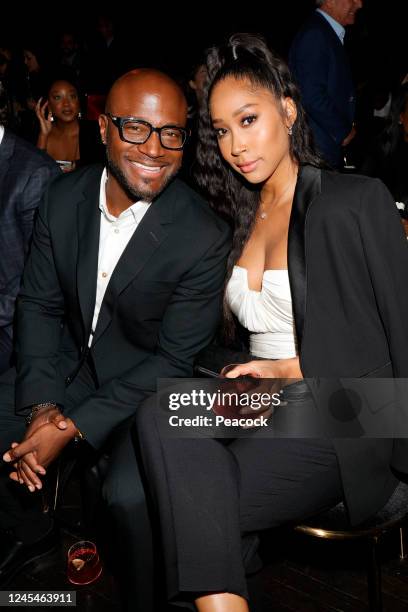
(35, 409)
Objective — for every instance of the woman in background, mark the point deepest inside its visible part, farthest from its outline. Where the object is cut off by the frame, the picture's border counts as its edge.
(66, 138)
(318, 275)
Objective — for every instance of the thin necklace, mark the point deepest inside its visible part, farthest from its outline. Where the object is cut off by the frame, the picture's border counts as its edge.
(263, 214)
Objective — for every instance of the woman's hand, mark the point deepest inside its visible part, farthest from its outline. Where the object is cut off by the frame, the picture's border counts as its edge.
(266, 368)
(272, 376)
(44, 118)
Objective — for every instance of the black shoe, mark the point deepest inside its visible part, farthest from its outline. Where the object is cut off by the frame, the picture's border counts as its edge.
(16, 555)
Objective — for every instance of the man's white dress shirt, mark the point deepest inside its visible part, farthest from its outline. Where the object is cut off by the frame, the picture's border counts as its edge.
(115, 233)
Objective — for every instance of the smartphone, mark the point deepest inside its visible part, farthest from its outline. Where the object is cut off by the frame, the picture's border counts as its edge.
(206, 372)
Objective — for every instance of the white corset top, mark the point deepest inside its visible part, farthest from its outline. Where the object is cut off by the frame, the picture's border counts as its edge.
(267, 314)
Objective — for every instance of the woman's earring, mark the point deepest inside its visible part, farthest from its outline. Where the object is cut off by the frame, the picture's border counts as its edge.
(79, 115)
(51, 117)
(290, 130)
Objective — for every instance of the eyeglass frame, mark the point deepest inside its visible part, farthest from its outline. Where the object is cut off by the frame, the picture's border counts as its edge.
(119, 122)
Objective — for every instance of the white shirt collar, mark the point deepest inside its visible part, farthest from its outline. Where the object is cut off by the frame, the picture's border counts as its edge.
(1, 133)
(137, 210)
(337, 27)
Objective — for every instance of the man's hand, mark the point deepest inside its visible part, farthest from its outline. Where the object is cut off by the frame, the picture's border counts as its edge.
(48, 414)
(35, 453)
(24, 474)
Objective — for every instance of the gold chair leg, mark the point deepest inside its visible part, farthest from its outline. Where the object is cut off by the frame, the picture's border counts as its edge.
(403, 555)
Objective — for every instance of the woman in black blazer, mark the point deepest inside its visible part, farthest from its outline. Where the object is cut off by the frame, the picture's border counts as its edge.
(318, 275)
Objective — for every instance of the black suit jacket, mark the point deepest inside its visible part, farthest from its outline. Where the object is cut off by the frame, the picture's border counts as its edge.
(321, 68)
(24, 175)
(348, 270)
(161, 306)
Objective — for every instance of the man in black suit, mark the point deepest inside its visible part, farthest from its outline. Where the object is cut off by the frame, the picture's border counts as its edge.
(123, 286)
(24, 174)
(321, 68)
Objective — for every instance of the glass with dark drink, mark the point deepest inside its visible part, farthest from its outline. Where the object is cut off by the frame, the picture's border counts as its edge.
(84, 565)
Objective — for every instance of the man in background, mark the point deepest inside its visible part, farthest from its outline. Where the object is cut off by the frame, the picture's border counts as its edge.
(24, 174)
(321, 68)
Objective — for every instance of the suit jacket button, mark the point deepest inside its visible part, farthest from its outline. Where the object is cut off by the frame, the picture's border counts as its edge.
(68, 380)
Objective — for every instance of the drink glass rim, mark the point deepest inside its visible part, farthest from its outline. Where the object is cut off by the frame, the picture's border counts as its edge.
(83, 544)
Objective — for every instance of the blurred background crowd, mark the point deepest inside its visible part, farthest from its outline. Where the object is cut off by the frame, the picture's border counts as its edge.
(76, 52)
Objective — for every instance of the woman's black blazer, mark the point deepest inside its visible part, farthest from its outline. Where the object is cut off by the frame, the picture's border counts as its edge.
(348, 271)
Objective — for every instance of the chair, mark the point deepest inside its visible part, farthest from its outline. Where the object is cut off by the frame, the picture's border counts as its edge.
(333, 525)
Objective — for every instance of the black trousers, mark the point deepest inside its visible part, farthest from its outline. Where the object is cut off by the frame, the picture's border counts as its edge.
(211, 493)
(122, 490)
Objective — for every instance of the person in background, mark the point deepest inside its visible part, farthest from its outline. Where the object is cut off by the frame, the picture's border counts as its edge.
(13, 87)
(70, 55)
(388, 159)
(32, 85)
(107, 54)
(6, 100)
(197, 81)
(193, 86)
(68, 139)
(24, 175)
(321, 69)
(37, 73)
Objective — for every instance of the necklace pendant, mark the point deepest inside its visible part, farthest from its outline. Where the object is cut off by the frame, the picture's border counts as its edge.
(263, 215)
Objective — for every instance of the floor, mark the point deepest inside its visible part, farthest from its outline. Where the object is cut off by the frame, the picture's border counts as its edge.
(300, 574)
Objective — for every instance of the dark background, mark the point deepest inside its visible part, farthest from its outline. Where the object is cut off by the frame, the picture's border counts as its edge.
(172, 35)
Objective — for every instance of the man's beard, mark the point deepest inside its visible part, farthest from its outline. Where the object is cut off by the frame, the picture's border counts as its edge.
(132, 192)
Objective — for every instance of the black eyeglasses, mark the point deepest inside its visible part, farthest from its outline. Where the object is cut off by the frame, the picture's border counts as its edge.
(138, 131)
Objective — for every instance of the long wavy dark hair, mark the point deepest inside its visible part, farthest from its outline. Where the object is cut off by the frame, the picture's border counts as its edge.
(244, 57)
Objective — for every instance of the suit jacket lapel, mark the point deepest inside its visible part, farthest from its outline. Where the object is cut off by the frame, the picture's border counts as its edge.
(147, 237)
(307, 188)
(88, 220)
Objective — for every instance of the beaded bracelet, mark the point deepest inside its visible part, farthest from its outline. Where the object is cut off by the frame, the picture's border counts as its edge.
(35, 409)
